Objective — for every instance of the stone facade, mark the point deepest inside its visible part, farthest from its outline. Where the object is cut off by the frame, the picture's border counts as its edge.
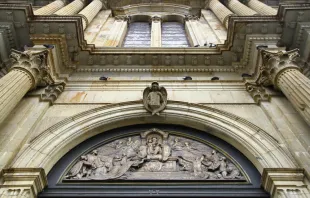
(65, 77)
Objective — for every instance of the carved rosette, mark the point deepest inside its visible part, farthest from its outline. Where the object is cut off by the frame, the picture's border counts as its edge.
(274, 64)
(35, 64)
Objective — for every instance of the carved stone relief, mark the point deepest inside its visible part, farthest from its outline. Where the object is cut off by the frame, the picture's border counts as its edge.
(155, 98)
(154, 155)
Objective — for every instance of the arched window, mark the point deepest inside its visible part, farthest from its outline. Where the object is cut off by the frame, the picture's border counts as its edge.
(138, 35)
(173, 35)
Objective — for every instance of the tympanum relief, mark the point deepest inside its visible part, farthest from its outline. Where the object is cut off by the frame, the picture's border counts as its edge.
(154, 155)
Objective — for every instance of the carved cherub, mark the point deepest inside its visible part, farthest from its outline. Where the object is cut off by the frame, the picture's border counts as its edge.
(155, 98)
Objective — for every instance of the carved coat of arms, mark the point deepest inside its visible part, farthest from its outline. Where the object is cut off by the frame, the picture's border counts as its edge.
(155, 98)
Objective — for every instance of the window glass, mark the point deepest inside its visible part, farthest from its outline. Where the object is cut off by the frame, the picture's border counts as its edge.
(138, 35)
(173, 35)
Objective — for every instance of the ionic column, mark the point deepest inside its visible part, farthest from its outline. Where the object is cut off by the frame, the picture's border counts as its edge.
(28, 70)
(72, 8)
(260, 7)
(239, 8)
(280, 70)
(89, 13)
(50, 8)
(221, 12)
(195, 34)
(156, 32)
(118, 31)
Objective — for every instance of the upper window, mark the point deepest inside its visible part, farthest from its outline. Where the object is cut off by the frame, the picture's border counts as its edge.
(138, 35)
(173, 35)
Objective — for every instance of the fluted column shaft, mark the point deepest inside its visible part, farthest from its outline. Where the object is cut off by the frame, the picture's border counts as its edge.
(240, 9)
(13, 87)
(90, 12)
(280, 70)
(72, 8)
(261, 8)
(296, 87)
(221, 12)
(156, 32)
(28, 70)
(50, 8)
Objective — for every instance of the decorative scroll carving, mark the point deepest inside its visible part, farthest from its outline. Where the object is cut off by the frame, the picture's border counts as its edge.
(53, 91)
(257, 92)
(154, 155)
(155, 98)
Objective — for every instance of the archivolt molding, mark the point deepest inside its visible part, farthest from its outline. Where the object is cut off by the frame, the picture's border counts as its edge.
(149, 8)
(259, 147)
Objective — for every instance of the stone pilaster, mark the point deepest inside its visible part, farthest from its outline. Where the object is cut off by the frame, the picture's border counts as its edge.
(50, 8)
(22, 182)
(260, 7)
(240, 9)
(280, 70)
(221, 12)
(118, 31)
(195, 34)
(72, 8)
(29, 70)
(156, 32)
(89, 13)
(285, 182)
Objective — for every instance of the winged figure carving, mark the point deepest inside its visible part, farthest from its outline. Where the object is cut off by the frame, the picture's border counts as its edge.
(155, 98)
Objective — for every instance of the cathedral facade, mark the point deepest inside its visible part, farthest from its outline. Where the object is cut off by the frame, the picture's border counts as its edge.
(166, 98)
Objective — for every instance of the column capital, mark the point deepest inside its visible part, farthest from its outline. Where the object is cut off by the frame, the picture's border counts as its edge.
(22, 182)
(285, 181)
(191, 17)
(275, 63)
(34, 64)
(122, 18)
(156, 19)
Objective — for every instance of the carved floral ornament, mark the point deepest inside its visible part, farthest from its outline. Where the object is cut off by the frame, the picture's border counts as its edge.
(274, 64)
(154, 155)
(35, 64)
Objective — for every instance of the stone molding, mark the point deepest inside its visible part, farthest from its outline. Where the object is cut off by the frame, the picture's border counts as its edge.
(256, 144)
(285, 182)
(250, 40)
(59, 41)
(22, 182)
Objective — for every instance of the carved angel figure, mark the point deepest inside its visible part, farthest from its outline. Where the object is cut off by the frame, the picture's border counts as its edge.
(155, 98)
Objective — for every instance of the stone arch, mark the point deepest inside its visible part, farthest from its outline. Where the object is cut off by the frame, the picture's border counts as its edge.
(256, 144)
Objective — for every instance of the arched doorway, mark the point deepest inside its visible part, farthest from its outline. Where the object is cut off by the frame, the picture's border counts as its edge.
(254, 143)
(223, 171)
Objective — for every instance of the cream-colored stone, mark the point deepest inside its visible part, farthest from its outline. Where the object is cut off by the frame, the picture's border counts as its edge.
(72, 8)
(90, 11)
(220, 11)
(50, 8)
(240, 9)
(261, 7)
